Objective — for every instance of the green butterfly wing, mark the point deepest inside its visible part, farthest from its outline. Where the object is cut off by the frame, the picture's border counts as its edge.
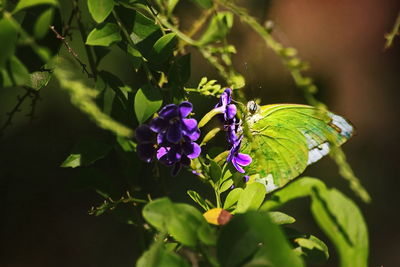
(283, 139)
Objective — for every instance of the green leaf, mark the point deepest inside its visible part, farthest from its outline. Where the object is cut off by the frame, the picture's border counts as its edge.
(147, 101)
(171, 5)
(100, 9)
(198, 199)
(218, 28)
(185, 224)
(43, 22)
(177, 93)
(281, 218)
(144, 28)
(163, 48)
(301, 187)
(116, 84)
(252, 238)
(168, 5)
(105, 35)
(207, 235)
(100, 52)
(232, 198)
(157, 255)
(135, 56)
(87, 151)
(337, 216)
(312, 249)
(158, 213)
(39, 79)
(108, 100)
(181, 221)
(251, 198)
(343, 223)
(30, 3)
(179, 73)
(225, 185)
(8, 37)
(215, 171)
(14, 73)
(206, 4)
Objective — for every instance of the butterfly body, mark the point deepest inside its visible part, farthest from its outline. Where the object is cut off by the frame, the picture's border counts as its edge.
(283, 139)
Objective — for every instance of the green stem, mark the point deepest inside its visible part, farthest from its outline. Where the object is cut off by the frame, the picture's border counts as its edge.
(208, 117)
(217, 195)
(395, 31)
(210, 135)
(180, 34)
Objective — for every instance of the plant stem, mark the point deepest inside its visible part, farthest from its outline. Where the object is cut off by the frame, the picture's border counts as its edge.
(395, 31)
(217, 195)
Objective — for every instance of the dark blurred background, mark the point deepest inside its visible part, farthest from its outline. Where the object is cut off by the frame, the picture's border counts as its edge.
(46, 221)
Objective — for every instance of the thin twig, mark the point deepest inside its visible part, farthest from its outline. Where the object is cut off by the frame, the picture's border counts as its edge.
(35, 96)
(67, 27)
(71, 51)
(11, 114)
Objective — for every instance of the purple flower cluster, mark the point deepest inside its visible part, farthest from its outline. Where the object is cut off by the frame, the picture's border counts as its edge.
(233, 129)
(170, 137)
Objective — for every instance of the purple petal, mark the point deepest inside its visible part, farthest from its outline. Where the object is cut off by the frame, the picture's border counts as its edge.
(195, 135)
(230, 111)
(246, 178)
(230, 156)
(225, 98)
(146, 152)
(162, 151)
(161, 139)
(195, 151)
(185, 108)
(232, 137)
(243, 159)
(169, 111)
(189, 125)
(237, 166)
(195, 172)
(158, 124)
(144, 134)
(174, 133)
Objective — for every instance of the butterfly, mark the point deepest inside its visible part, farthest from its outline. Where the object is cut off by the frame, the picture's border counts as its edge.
(283, 139)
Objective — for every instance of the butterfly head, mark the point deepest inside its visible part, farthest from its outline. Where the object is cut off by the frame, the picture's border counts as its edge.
(252, 107)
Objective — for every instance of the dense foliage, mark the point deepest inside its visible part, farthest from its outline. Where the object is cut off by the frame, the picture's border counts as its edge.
(155, 132)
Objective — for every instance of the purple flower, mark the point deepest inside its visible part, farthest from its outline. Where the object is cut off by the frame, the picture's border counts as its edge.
(171, 123)
(238, 159)
(170, 137)
(233, 130)
(225, 106)
(146, 143)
